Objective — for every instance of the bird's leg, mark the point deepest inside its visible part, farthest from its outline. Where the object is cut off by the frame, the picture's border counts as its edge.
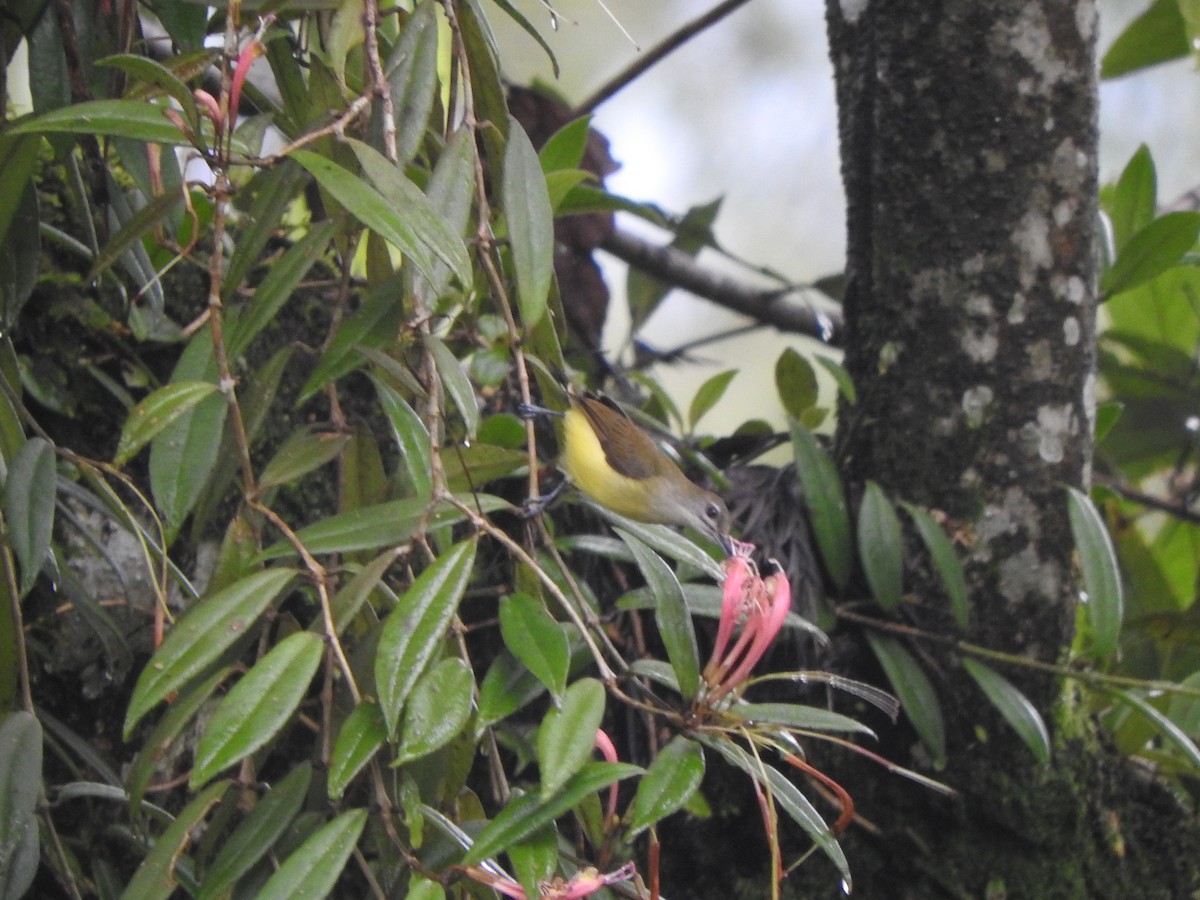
(530, 411)
(534, 506)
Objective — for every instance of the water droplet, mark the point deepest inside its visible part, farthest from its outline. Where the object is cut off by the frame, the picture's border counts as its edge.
(847, 886)
(825, 326)
(1192, 424)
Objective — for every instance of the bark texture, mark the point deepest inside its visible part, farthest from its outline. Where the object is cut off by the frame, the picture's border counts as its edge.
(968, 135)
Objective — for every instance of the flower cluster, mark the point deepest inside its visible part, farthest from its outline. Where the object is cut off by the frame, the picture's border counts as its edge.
(758, 606)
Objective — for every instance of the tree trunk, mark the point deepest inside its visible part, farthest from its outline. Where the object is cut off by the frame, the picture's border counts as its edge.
(968, 135)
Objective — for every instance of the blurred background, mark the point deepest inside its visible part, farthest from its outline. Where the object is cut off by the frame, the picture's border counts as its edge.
(746, 112)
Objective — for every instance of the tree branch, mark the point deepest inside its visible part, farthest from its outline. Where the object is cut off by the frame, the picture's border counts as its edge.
(787, 310)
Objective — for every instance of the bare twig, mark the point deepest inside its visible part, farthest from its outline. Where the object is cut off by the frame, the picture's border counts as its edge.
(655, 55)
(786, 310)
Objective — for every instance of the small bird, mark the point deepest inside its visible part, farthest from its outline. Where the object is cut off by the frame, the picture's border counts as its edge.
(622, 468)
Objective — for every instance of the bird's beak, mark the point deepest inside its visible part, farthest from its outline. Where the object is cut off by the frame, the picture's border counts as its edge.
(726, 543)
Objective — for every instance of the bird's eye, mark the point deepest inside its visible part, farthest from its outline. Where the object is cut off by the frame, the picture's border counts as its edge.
(712, 512)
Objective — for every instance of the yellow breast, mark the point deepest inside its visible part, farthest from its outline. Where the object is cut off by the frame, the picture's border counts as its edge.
(584, 461)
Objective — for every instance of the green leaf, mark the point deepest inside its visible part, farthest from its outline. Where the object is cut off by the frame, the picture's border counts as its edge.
(669, 783)
(1158, 35)
(257, 833)
(796, 382)
(132, 231)
(671, 614)
(1134, 201)
(134, 119)
(565, 148)
(304, 451)
(526, 814)
(374, 324)
(1101, 579)
(20, 785)
(278, 285)
(826, 504)
(437, 238)
(1151, 251)
(412, 74)
(945, 560)
(796, 715)
(156, 412)
(530, 221)
(1168, 729)
(568, 734)
(412, 438)
(183, 457)
(437, 709)
(508, 686)
(1016, 708)
(537, 640)
(29, 492)
(259, 705)
(204, 632)
(359, 738)
(881, 547)
(349, 600)
(665, 540)
(273, 191)
(914, 691)
(314, 866)
(381, 525)
(398, 212)
(456, 383)
(155, 878)
(709, 394)
(413, 630)
(166, 730)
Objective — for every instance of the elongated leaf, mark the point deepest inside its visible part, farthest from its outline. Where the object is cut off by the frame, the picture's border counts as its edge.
(133, 230)
(671, 614)
(303, 452)
(412, 73)
(156, 412)
(29, 493)
(257, 834)
(166, 730)
(273, 192)
(525, 815)
(826, 503)
(278, 286)
(536, 640)
(666, 541)
(155, 878)
(880, 546)
(949, 567)
(914, 691)
(437, 239)
(349, 600)
(437, 709)
(412, 438)
(150, 72)
(530, 219)
(565, 148)
(412, 226)
(1158, 35)
(134, 119)
(413, 630)
(568, 734)
(1101, 579)
(382, 525)
(1135, 199)
(709, 394)
(507, 687)
(361, 735)
(1151, 251)
(202, 635)
(20, 784)
(1169, 730)
(796, 382)
(456, 383)
(259, 705)
(796, 715)
(670, 781)
(1014, 706)
(183, 457)
(374, 324)
(314, 866)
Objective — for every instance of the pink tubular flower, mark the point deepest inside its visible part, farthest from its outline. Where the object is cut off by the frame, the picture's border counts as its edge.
(760, 606)
(583, 883)
(605, 745)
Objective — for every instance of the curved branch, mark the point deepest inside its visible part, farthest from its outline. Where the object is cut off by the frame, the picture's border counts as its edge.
(787, 310)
